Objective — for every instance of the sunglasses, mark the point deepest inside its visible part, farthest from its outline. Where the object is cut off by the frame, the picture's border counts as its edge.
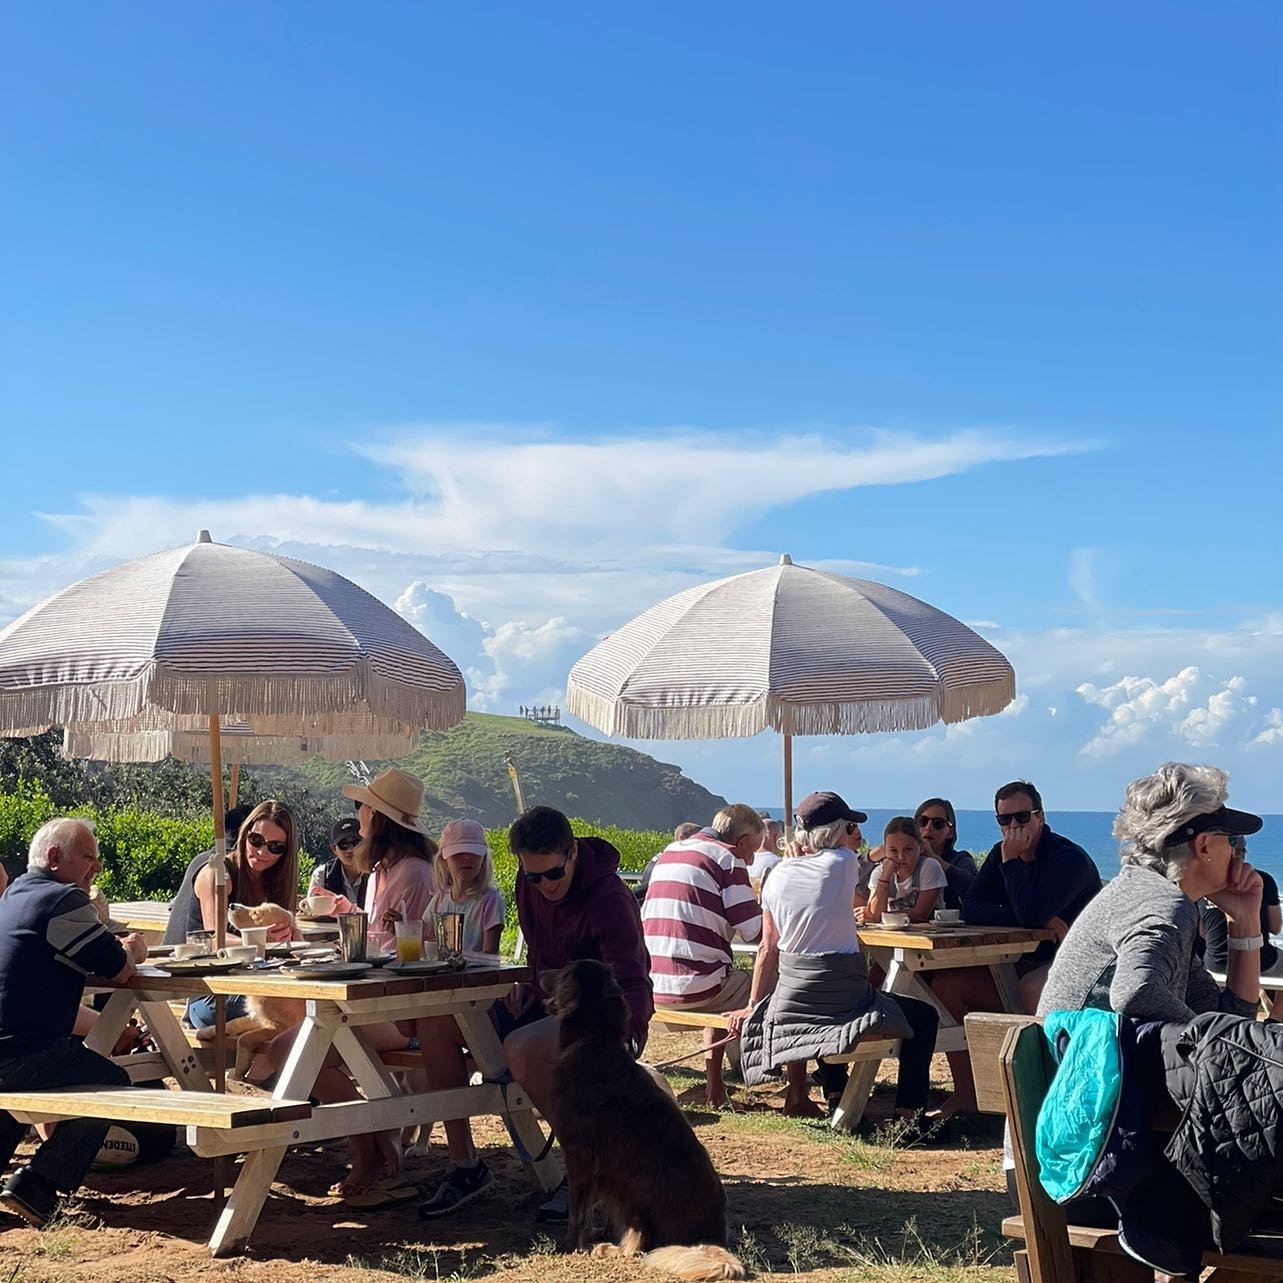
(343, 844)
(553, 875)
(934, 822)
(257, 840)
(1014, 817)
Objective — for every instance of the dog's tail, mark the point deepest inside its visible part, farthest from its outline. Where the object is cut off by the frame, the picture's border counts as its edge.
(703, 1263)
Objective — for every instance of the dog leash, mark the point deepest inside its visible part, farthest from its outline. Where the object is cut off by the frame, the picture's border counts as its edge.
(503, 1082)
(690, 1055)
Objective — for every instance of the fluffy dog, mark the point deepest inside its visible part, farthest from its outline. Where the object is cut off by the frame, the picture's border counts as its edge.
(628, 1149)
(267, 1016)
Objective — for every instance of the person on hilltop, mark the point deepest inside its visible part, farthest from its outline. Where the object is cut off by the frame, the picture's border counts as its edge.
(699, 900)
(51, 939)
(571, 904)
(685, 829)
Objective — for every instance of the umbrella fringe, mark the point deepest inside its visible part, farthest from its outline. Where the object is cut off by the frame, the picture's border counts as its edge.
(260, 750)
(313, 697)
(848, 717)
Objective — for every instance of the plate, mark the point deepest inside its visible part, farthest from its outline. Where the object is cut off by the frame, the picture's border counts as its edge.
(320, 917)
(327, 970)
(419, 968)
(200, 966)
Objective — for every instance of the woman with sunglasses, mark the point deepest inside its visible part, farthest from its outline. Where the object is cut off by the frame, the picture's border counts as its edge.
(262, 868)
(938, 828)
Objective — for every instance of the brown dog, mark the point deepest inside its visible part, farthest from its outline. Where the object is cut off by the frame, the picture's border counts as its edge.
(267, 1016)
(628, 1148)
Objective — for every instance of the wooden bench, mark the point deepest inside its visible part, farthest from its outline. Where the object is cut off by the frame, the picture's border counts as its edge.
(1013, 1068)
(201, 1109)
(867, 1055)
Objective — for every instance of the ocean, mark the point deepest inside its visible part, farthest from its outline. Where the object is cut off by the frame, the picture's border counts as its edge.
(977, 831)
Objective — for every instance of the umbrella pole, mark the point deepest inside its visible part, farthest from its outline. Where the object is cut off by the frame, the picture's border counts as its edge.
(233, 791)
(788, 787)
(220, 924)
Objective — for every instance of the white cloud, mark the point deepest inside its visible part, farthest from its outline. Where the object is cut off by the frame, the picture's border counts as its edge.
(1272, 731)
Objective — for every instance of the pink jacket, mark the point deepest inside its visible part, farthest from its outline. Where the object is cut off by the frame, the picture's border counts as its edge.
(409, 879)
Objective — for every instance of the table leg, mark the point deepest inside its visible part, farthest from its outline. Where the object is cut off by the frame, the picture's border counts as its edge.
(184, 1064)
(1008, 986)
(364, 1064)
(859, 1086)
(902, 983)
(240, 1215)
(111, 1022)
(487, 1051)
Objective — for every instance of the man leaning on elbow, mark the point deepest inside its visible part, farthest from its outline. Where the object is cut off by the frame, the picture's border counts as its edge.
(50, 941)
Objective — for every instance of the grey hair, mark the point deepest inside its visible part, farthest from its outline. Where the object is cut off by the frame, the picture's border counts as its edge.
(736, 821)
(822, 838)
(59, 833)
(1157, 805)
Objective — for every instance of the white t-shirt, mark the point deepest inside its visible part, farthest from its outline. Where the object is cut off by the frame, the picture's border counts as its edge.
(763, 863)
(811, 899)
(929, 875)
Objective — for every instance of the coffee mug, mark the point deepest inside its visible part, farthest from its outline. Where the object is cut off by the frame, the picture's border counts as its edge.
(256, 936)
(319, 905)
(947, 917)
(239, 953)
(193, 950)
(895, 919)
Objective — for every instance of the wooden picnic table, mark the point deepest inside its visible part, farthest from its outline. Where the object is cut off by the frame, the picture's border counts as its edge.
(925, 946)
(336, 1011)
(148, 917)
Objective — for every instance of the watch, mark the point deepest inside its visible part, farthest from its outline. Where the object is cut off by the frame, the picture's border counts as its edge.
(1244, 944)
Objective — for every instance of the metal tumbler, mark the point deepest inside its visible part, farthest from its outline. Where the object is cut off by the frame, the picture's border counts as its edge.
(450, 936)
(352, 935)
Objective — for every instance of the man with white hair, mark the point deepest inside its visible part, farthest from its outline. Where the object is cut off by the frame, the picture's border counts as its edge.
(699, 900)
(50, 941)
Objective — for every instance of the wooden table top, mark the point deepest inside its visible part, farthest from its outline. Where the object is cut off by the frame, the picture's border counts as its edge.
(271, 984)
(933, 938)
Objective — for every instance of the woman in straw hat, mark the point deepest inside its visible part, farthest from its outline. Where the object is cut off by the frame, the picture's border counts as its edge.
(397, 852)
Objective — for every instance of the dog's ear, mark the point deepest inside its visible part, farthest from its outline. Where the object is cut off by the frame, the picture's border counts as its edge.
(611, 989)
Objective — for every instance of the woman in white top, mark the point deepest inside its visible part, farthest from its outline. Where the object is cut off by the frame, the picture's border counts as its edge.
(810, 989)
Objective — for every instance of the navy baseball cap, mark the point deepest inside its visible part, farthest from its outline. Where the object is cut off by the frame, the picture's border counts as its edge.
(818, 809)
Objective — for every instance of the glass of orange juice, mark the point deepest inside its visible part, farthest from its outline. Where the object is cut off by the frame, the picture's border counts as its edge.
(409, 940)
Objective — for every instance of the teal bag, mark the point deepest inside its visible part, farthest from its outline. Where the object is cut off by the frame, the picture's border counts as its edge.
(1081, 1105)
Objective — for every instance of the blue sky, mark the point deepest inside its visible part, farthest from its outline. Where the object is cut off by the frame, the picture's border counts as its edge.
(526, 316)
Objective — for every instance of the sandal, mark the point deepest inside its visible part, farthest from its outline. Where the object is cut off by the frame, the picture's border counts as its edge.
(382, 1193)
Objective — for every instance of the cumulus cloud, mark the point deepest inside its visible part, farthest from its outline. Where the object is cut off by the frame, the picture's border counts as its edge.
(1190, 706)
(1272, 731)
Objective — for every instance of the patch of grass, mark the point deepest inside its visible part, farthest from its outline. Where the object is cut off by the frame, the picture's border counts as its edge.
(879, 1260)
(863, 1154)
(55, 1244)
(441, 1267)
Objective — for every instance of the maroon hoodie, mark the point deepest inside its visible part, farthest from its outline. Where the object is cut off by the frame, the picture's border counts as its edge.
(598, 918)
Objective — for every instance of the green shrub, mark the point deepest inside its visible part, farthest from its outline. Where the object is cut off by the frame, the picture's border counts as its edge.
(22, 812)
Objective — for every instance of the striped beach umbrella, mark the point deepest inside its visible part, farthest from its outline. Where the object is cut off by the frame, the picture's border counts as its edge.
(792, 649)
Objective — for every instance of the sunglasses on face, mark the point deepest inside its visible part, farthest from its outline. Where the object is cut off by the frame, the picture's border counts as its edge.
(933, 822)
(343, 844)
(553, 875)
(1014, 817)
(1238, 843)
(257, 840)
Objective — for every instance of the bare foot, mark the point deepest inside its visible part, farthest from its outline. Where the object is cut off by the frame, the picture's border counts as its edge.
(959, 1103)
(804, 1108)
(716, 1099)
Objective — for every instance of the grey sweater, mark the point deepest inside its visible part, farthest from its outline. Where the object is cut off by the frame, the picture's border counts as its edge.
(1131, 950)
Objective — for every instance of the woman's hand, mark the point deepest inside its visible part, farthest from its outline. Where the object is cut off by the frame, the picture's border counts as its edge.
(280, 933)
(861, 915)
(1240, 899)
(342, 905)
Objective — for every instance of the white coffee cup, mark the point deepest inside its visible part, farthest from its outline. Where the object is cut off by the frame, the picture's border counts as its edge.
(947, 917)
(181, 951)
(320, 904)
(256, 936)
(895, 919)
(239, 953)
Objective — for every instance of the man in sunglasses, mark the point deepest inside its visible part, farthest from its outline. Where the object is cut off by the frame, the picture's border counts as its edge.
(1031, 878)
(571, 904)
(338, 875)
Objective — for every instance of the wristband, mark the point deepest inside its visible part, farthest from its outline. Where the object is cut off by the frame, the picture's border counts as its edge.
(1244, 944)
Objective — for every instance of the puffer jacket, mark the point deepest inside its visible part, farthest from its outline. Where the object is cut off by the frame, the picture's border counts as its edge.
(1226, 1076)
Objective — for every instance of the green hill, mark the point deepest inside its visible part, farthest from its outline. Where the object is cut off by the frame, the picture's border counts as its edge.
(464, 773)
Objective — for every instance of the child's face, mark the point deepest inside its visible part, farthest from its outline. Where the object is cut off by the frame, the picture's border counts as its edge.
(902, 852)
(464, 866)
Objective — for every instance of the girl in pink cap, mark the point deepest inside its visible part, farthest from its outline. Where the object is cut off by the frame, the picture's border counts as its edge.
(465, 884)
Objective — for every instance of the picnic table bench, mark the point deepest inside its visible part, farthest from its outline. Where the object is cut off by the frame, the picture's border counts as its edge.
(1013, 1070)
(868, 1054)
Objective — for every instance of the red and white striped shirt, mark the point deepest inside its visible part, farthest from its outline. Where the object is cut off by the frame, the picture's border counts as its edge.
(699, 897)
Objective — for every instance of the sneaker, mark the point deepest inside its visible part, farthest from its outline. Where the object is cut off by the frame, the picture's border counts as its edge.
(29, 1195)
(556, 1210)
(461, 1185)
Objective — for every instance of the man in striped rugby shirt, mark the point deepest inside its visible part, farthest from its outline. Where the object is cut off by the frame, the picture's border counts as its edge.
(698, 900)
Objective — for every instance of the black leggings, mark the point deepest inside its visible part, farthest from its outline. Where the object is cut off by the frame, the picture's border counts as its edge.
(915, 1058)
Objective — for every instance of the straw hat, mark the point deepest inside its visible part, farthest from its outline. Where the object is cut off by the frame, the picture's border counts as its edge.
(396, 794)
